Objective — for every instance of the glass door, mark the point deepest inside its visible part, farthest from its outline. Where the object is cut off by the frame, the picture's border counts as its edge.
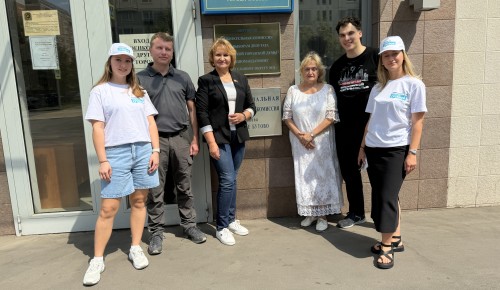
(58, 53)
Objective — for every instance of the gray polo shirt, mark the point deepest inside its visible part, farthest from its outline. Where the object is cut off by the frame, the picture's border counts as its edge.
(169, 94)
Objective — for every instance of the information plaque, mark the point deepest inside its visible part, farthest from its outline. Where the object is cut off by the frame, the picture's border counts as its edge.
(245, 6)
(267, 121)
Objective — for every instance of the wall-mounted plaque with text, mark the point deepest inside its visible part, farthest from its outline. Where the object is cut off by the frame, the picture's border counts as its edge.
(267, 122)
(257, 46)
(245, 6)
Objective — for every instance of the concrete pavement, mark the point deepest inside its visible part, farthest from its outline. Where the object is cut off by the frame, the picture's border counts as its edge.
(445, 249)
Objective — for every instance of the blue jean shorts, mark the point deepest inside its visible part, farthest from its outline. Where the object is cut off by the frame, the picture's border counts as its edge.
(129, 165)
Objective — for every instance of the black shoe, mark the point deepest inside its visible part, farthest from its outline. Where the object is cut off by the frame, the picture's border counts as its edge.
(350, 220)
(155, 244)
(195, 235)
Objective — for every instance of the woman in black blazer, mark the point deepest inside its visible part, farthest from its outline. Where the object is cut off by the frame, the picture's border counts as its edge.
(223, 104)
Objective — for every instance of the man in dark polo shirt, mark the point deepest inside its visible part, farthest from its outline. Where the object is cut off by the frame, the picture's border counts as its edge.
(173, 94)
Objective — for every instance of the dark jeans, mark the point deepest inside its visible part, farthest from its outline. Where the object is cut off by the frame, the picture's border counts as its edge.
(231, 156)
(348, 141)
(174, 152)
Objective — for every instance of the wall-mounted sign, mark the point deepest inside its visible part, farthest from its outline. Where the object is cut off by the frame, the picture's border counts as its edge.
(44, 52)
(41, 23)
(267, 122)
(257, 46)
(246, 6)
(140, 45)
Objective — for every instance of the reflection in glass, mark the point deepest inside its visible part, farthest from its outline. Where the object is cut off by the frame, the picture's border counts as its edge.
(51, 111)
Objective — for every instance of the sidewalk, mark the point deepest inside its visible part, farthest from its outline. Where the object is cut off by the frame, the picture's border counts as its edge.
(445, 249)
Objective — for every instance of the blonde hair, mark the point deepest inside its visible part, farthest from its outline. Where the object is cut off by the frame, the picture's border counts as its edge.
(313, 56)
(224, 43)
(131, 79)
(383, 73)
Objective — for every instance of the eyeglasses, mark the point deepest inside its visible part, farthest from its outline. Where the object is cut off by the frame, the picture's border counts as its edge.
(313, 69)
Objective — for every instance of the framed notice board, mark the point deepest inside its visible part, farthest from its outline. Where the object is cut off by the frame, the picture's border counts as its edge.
(258, 46)
(245, 6)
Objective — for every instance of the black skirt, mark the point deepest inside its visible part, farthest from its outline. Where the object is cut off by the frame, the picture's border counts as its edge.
(386, 173)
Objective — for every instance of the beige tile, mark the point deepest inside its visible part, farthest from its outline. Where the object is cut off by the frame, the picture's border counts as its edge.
(243, 18)
(435, 73)
(408, 195)
(491, 67)
(490, 130)
(462, 191)
(385, 9)
(470, 35)
(472, 9)
(439, 101)
(491, 101)
(287, 42)
(210, 20)
(439, 36)
(412, 33)
(489, 160)
(255, 82)
(284, 80)
(488, 190)
(446, 10)
(432, 193)
(280, 172)
(469, 68)
(464, 161)
(278, 146)
(7, 220)
(434, 163)
(4, 189)
(467, 100)
(207, 41)
(251, 204)
(418, 63)
(493, 9)
(281, 202)
(465, 131)
(254, 148)
(436, 133)
(402, 10)
(385, 30)
(252, 174)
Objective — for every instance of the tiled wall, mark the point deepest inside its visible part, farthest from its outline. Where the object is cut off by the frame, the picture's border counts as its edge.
(6, 220)
(265, 179)
(474, 168)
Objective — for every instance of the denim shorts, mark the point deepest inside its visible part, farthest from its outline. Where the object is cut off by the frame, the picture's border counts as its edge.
(129, 165)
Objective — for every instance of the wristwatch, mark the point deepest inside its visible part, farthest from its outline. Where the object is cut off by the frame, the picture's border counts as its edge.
(156, 150)
(413, 151)
(312, 135)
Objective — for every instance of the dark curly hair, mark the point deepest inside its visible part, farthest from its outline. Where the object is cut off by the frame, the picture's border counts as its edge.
(349, 19)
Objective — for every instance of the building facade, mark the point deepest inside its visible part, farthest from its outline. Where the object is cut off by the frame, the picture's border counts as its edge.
(48, 180)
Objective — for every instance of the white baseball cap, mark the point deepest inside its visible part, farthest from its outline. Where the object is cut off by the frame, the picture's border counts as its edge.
(392, 43)
(121, 49)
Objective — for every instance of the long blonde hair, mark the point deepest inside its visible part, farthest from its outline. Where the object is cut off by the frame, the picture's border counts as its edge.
(383, 73)
(131, 79)
(313, 56)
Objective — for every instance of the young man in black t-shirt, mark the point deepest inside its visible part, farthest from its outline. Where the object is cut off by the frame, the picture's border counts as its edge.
(352, 75)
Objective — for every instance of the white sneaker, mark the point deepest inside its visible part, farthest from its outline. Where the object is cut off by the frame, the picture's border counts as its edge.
(321, 225)
(138, 258)
(238, 229)
(308, 221)
(93, 274)
(225, 237)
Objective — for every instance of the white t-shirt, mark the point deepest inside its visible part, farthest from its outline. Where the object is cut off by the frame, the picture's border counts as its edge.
(231, 99)
(391, 109)
(124, 115)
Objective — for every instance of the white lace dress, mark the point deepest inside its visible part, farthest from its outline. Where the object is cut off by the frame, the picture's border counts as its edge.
(318, 183)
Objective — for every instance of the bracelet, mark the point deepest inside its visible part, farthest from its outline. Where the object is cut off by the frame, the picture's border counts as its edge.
(156, 150)
(103, 161)
(244, 116)
(362, 147)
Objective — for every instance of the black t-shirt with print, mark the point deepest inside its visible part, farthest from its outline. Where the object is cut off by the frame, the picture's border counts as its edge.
(353, 79)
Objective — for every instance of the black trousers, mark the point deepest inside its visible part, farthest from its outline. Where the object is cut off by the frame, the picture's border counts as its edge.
(348, 140)
(387, 173)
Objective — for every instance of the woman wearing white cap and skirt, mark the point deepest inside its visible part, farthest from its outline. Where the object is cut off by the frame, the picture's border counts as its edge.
(392, 136)
(127, 146)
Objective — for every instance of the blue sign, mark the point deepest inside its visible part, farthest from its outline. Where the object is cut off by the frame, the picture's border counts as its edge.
(246, 6)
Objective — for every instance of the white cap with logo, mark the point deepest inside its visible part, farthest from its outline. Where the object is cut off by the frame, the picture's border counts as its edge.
(121, 49)
(391, 43)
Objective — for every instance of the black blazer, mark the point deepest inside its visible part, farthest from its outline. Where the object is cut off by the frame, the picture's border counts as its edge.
(212, 106)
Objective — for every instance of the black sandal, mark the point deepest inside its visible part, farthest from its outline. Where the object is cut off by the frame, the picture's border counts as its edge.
(396, 246)
(386, 254)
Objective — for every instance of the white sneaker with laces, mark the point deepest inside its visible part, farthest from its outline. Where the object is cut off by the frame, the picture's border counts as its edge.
(138, 258)
(308, 221)
(321, 225)
(238, 229)
(93, 274)
(225, 237)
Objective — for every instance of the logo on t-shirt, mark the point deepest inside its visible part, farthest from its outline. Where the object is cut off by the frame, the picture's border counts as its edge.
(137, 100)
(398, 96)
(353, 78)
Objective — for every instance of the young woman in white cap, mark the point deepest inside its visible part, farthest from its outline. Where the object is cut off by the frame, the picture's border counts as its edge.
(126, 142)
(392, 136)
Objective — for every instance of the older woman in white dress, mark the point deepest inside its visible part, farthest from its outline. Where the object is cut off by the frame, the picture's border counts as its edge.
(309, 111)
